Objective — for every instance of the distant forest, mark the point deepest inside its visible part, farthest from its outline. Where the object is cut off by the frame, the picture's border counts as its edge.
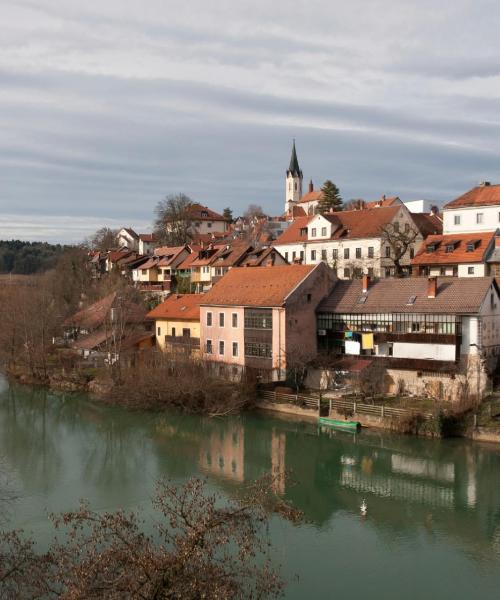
(26, 258)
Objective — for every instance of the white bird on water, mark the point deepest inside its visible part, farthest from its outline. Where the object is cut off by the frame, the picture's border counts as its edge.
(364, 507)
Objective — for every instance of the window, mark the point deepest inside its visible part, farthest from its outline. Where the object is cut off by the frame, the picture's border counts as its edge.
(309, 297)
(209, 225)
(313, 254)
(303, 231)
(358, 272)
(396, 226)
(358, 252)
(144, 271)
(159, 331)
(479, 218)
(370, 272)
(313, 232)
(209, 347)
(209, 319)
(258, 319)
(258, 349)
(172, 333)
(221, 347)
(235, 348)
(302, 255)
(371, 251)
(442, 271)
(450, 248)
(388, 252)
(221, 319)
(295, 186)
(323, 255)
(347, 273)
(286, 256)
(335, 254)
(407, 228)
(346, 253)
(387, 271)
(470, 270)
(204, 213)
(323, 231)
(412, 252)
(456, 219)
(234, 320)
(186, 332)
(294, 254)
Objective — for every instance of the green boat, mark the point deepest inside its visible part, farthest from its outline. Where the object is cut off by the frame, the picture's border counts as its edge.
(338, 424)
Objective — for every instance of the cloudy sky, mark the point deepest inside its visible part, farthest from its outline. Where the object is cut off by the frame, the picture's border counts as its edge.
(107, 106)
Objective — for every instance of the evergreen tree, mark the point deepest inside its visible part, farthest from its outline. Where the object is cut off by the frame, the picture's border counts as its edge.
(331, 199)
(228, 214)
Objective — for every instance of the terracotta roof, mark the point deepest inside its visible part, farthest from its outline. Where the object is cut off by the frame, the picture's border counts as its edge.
(259, 286)
(150, 264)
(148, 237)
(427, 224)
(231, 254)
(203, 213)
(116, 255)
(168, 250)
(459, 254)
(311, 196)
(482, 195)
(207, 238)
(187, 263)
(351, 224)
(455, 295)
(178, 306)
(293, 233)
(94, 315)
(383, 202)
(257, 257)
(92, 340)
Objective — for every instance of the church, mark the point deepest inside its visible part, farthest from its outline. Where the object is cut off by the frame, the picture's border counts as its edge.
(296, 204)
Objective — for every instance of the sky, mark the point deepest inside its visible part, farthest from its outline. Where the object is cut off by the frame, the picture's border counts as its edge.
(106, 107)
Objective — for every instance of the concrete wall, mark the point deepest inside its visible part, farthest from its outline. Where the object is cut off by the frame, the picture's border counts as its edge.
(428, 351)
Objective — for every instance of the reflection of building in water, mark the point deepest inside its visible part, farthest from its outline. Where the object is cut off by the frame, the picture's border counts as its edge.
(423, 467)
(223, 452)
(278, 468)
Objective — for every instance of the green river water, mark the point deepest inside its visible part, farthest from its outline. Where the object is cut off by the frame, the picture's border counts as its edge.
(433, 523)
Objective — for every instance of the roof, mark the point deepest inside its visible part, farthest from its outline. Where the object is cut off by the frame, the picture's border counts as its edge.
(207, 238)
(482, 195)
(315, 195)
(351, 224)
(168, 254)
(187, 263)
(178, 306)
(455, 295)
(259, 286)
(427, 224)
(148, 237)
(459, 254)
(257, 257)
(293, 167)
(149, 264)
(92, 340)
(383, 202)
(130, 231)
(94, 315)
(198, 212)
(116, 255)
(230, 254)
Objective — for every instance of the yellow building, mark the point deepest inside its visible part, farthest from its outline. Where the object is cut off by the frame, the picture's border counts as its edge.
(177, 323)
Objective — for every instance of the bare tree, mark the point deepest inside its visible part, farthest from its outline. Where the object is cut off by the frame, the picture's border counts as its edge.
(253, 211)
(399, 240)
(174, 224)
(103, 239)
(205, 546)
(355, 204)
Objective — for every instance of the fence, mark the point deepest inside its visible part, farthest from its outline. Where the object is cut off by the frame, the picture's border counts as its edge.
(342, 406)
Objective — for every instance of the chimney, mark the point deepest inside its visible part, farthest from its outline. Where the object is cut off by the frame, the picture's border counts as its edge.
(366, 283)
(431, 287)
(311, 186)
(497, 242)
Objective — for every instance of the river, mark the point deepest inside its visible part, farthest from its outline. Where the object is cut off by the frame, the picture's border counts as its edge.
(433, 523)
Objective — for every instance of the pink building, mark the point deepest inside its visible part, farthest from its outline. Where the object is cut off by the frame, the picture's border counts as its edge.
(264, 317)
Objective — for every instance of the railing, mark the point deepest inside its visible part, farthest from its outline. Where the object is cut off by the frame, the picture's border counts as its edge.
(342, 406)
(185, 341)
(154, 287)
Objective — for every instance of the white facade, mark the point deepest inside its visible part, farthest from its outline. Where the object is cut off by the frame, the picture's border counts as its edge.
(419, 206)
(293, 190)
(471, 219)
(126, 240)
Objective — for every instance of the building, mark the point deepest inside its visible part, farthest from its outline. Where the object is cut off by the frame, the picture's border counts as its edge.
(353, 243)
(293, 182)
(127, 238)
(425, 331)
(262, 319)
(177, 323)
(206, 221)
(458, 255)
(478, 210)
(158, 273)
(147, 243)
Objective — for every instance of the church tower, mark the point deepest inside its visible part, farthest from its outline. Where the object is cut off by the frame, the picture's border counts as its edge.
(293, 183)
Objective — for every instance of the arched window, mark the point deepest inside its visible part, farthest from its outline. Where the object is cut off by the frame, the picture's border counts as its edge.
(295, 186)
(289, 186)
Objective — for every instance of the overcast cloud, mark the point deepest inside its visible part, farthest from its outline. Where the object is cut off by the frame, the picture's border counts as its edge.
(105, 107)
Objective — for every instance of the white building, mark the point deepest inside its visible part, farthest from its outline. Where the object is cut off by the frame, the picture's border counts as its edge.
(476, 211)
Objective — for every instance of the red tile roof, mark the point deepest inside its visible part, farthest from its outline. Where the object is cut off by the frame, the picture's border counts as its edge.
(259, 286)
(482, 195)
(231, 254)
(459, 254)
(94, 315)
(148, 237)
(203, 213)
(311, 196)
(427, 224)
(455, 295)
(178, 307)
(257, 257)
(383, 202)
(294, 233)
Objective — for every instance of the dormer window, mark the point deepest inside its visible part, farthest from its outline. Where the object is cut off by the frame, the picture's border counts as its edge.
(303, 231)
(471, 246)
(204, 213)
(451, 247)
(431, 248)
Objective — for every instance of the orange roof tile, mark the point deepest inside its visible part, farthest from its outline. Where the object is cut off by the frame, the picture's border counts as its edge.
(198, 212)
(295, 231)
(440, 256)
(311, 196)
(258, 286)
(383, 202)
(179, 307)
(482, 195)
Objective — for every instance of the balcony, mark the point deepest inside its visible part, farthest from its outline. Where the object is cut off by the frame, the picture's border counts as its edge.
(417, 338)
(155, 286)
(183, 341)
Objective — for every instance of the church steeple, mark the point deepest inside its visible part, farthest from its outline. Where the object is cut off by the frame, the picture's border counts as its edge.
(293, 182)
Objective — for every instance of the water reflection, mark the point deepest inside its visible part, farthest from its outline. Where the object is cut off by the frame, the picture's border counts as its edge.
(62, 448)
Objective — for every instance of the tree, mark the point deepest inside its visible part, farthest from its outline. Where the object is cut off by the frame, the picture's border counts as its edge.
(254, 211)
(355, 204)
(228, 214)
(204, 546)
(174, 224)
(398, 240)
(103, 239)
(330, 198)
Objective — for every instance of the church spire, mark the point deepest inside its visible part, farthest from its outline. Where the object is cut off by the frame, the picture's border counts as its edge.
(294, 168)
